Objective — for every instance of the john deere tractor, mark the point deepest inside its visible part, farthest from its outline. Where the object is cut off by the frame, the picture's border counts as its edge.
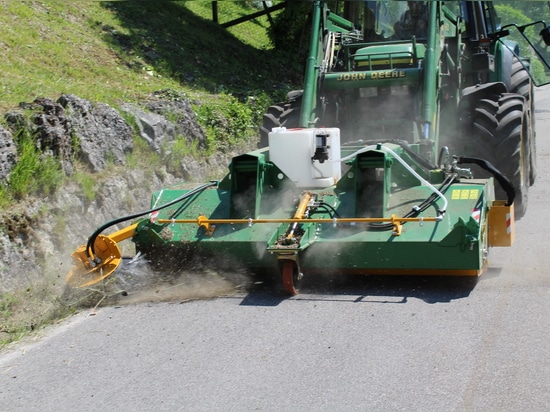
(408, 151)
(438, 75)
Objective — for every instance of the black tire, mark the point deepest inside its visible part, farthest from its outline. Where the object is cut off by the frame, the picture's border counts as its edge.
(501, 127)
(521, 83)
(286, 114)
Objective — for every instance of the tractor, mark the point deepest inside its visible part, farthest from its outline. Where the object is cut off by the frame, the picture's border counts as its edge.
(438, 74)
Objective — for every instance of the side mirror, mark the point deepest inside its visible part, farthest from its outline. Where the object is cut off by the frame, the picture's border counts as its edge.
(545, 33)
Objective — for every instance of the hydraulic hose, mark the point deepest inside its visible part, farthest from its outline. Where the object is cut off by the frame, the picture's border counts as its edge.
(436, 194)
(417, 209)
(90, 245)
(504, 182)
(441, 211)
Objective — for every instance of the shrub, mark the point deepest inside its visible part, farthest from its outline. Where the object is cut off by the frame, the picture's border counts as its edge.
(226, 122)
(35, 172)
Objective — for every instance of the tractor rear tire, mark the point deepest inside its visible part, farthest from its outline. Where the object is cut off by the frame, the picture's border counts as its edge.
(501, 126)
(286, 114)
(521, 83)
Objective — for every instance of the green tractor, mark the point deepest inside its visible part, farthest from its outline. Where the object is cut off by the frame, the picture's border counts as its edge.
(435, 74)
(409, 151)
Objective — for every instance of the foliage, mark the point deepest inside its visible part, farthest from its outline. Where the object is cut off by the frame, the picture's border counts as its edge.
(180, 148)
(7, 302)
(5, 198)
(511, 15)
(87, 183)
(141, 155)
(123, 51)
(35, 172)
(290, 31)
(532, 9)
(226, 123)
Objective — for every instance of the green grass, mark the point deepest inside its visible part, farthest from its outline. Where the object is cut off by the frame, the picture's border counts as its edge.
(114, 52)
(122, 51)
(87, 184)
(34, 171)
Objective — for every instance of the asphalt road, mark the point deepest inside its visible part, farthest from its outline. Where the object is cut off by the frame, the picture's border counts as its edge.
(357, 344)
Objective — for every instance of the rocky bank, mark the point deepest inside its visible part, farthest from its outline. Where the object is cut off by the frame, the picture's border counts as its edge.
(38, 235)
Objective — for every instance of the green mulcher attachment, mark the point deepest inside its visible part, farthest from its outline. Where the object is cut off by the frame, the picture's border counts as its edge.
(308, 206)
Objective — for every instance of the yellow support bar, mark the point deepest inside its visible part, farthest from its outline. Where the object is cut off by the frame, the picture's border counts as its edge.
(123, 234)
(203, 220)
(209, 224)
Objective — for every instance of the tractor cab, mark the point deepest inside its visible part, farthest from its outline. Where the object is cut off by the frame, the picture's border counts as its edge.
(374, 78)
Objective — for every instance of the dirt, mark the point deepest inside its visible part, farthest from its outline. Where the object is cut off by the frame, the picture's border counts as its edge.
(137, 282)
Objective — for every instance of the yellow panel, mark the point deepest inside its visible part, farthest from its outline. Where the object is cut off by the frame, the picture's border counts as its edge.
(501, 224)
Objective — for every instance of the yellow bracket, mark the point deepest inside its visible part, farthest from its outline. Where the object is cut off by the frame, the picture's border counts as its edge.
(85, 271)
(397, 225)
(208, 227)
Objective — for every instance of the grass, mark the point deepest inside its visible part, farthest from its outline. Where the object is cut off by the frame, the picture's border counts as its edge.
(25, 311)
(114, 52)
(122, 51)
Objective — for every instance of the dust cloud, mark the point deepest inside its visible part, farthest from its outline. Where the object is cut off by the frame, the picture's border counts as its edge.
(141, 283)
(136, 281)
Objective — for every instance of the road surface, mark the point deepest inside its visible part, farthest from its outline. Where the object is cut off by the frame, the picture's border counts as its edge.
(358, 344)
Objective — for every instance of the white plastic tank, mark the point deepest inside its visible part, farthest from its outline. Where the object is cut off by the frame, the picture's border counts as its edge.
(306, 156)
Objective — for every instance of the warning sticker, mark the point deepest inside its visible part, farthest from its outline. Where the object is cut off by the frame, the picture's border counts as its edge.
(465, 194)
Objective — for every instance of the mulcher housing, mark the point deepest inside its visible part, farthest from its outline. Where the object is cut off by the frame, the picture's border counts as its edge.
(363, 171)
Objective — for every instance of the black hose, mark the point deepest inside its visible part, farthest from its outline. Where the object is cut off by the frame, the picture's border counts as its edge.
(328, 208)
(426, 203)
(90, 245)
(504, 182)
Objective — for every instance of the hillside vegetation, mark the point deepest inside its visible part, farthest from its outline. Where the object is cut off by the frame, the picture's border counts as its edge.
(124, 51)
(121, 51)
